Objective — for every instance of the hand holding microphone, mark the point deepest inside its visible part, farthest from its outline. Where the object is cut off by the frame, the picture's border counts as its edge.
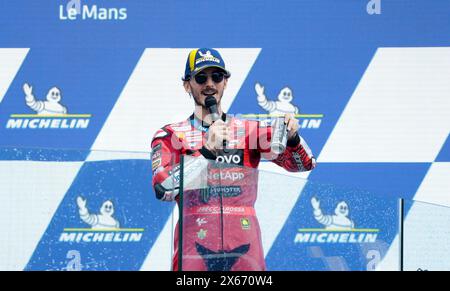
(218, 133)
(217, 136)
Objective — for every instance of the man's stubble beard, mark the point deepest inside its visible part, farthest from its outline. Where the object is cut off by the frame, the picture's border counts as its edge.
(197, 102)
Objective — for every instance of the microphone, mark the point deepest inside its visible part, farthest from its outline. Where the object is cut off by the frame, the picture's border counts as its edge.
(211, 105)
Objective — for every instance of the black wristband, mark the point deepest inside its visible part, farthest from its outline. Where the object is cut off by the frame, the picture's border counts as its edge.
(293, 141)
(207, 153)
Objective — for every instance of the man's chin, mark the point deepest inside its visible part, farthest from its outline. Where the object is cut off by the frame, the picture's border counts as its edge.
(201, 101)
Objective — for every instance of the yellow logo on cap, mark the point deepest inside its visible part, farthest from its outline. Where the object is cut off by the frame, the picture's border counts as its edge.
(192, 59)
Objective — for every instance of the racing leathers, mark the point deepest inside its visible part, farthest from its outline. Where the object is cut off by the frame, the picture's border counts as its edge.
(220, 229)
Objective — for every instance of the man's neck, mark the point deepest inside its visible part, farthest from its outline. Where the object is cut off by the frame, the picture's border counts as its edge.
(203, 114)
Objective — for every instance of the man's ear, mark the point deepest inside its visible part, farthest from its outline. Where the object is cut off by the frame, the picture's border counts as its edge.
(187, 87)
(225, 82)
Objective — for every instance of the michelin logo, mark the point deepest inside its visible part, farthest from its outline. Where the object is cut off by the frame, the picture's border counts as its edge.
(280, 107)
(49, 107)
(75, 10)
(104, 220)
(104, 227)
(283, 106)
(49, 114)
(337, 221)
(338, 228)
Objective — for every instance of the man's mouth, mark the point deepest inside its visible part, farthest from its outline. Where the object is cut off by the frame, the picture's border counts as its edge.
(209, 93)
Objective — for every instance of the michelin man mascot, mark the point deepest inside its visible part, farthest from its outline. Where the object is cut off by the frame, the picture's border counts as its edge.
(339, 221)
(49, 107)
(280, 107)
(104, 220)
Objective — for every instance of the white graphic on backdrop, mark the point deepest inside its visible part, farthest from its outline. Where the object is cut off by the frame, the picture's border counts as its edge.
(337, 221)
(104, 220)
(282, 106)
(50, 107)
(11, 60)
(398, 112)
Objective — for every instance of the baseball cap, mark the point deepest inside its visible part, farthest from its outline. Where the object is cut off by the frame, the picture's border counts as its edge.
(202, 58)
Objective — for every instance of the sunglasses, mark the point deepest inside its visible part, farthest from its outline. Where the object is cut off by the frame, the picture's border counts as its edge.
(201, 78)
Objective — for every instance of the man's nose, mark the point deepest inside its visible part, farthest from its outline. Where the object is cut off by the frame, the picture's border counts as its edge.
(209, 82)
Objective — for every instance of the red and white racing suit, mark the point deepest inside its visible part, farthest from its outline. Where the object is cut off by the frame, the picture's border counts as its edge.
(220, 228)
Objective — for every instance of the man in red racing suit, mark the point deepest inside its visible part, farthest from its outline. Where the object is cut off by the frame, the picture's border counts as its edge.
(220, 228)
